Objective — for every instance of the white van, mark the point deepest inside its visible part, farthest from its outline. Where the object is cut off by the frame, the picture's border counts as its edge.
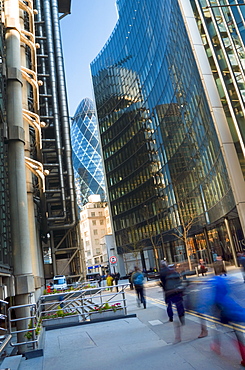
(59, 282)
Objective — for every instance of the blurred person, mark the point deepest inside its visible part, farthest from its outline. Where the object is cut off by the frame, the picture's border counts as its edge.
(99, 279)
(218, 299)
(130, 280)
(241, 261)
(138, 282)
(194, 302)
(214, 255)
(109, 281)
(173, 291)
(202, 269)
(116, 279)
(219, 266)
(61, 299)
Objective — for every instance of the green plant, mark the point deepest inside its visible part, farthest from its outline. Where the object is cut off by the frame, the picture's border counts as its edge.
(107, 307)
(45, 292)
(28, 334)
(60, 313)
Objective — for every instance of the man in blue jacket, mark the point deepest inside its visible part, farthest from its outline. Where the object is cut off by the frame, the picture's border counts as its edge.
(138, 281)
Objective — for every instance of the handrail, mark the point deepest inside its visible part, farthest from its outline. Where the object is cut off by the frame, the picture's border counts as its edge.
(33, 320)
(4, 317)
(70, 293)
(92, 296)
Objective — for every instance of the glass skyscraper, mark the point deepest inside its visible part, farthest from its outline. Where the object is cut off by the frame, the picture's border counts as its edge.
(86, 153)
(222, 31)
(164, 165)
(216, 30)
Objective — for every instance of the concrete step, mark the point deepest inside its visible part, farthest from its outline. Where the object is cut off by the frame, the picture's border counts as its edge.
(74, 305)
(11, 363)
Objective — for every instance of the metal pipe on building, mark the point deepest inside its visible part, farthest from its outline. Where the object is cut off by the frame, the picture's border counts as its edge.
(63, 105)
(52, 71)
(17, 171)
(41, 39)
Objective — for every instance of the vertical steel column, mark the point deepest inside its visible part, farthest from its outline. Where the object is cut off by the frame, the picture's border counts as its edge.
(17, 172)
(227, 224)
(64, 115)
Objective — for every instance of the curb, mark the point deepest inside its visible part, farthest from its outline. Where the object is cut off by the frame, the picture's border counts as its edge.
(61, 326)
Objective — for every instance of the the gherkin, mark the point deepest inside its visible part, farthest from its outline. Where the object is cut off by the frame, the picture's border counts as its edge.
(86, 153)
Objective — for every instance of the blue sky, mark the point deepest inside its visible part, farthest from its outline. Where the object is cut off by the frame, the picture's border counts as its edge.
(84, 33)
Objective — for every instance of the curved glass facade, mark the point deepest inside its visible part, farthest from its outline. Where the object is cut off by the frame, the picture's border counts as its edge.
(223, 36)
(163, 161)
(86, 153)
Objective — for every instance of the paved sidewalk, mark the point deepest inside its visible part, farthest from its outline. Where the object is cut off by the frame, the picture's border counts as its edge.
(144, 342)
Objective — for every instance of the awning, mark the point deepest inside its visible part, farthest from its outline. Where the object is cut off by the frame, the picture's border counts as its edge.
(94, 267)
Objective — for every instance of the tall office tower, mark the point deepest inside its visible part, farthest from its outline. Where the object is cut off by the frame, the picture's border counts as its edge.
(37, 197)
(86, 153)
(168, 186)
(95, 230)
(222, 38)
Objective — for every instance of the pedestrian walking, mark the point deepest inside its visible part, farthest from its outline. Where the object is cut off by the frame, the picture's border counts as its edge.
(130, 280)
(219, 266)
(116, 279)
(219, 300)
(173, 290)
(138, 282)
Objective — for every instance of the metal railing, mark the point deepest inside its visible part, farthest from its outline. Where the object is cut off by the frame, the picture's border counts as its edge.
(31, 327)
(5, 336)
(82, 302)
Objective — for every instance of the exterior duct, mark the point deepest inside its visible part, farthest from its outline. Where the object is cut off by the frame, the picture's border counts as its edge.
(63, 106)
(49, 33)
(60, 212)
(19, 200)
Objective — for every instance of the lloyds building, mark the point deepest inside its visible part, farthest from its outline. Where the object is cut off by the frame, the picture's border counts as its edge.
(37, 193)
(167, 164)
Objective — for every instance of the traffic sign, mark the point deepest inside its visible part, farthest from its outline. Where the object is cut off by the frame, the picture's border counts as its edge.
(113, 260)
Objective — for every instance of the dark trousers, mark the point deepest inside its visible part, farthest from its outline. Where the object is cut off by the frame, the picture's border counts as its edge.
(178, 301)
(140, 294)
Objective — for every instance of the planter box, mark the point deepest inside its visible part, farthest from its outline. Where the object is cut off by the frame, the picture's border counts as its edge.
(61, 320)
(106, 315)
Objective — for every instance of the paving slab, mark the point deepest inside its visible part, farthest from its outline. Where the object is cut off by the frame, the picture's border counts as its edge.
(144, 342)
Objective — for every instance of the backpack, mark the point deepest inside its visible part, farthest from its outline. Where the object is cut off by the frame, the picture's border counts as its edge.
(173, 281)
(138, 278)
